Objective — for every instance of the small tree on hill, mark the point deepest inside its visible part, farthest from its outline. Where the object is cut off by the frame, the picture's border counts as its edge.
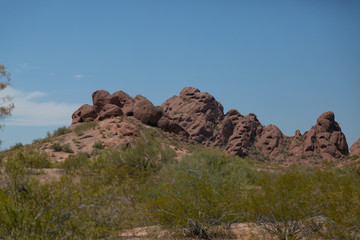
(5, 102)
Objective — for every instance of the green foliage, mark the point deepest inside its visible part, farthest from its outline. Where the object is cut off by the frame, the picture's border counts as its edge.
(98, 145)
(284, 205)
(76, 163)
(5, 102)
(146, 157)
(199, 193)
(15, 170)
(302, 203)
(143, 185)
(339, 201)
(57, 147)
(81, 128)
(30, 158)
(61, 131)
(16, 146)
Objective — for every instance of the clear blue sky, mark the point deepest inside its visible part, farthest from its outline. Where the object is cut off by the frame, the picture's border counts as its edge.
(286, 61)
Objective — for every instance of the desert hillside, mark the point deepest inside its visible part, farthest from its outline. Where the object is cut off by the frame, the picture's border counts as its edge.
(201, 119)
(126, 169)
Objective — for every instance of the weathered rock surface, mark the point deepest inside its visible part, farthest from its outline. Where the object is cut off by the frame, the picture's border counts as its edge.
(108, 105)
(100, 98)
(355, 148)
(239, 132)
(146, 112)
(85, 113)
(109, 110)
(270, 141)
(198, 116)
(124, 101)
(197, 112)
(326, 138)
(203, 118)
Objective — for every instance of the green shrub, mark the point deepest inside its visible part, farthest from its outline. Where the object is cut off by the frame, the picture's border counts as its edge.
(66, 148)
(31, 158)
(188, 203)
(57, 147)
(199, 192)
(76, 163)
(285, 205)
(98, 145)
(61, 131)
(16, 146)
(339, 203)
(81, 128)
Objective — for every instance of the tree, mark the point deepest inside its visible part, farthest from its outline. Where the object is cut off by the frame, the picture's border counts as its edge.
(5, 101)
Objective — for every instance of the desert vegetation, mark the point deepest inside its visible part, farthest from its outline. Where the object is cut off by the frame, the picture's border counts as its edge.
(200, 196)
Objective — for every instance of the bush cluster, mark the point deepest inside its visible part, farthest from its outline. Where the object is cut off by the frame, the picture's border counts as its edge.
(199, 196)
(61, 131)
(57, 147)
(81, 128)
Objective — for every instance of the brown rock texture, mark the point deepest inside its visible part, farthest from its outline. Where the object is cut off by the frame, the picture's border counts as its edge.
(239, 132)
(100, 98)
(85, 113)
(124, 101)
(199, 117)
(355, 148)
(326, 138)
(146, 112)
(109, 110)
(108, 105)
(197, 112)
(270, 141)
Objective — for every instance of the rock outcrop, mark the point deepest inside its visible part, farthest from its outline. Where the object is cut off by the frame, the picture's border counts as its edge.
(85, 113)
(355, 149)
(197, 112)
(324, 140)
(270, 141)
(238, 132)
(106, 105)
(198, 116)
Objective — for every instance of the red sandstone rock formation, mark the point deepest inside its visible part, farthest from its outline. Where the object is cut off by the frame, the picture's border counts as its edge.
(106, 105)
(200, 117)
(197, 112)
(355, 148)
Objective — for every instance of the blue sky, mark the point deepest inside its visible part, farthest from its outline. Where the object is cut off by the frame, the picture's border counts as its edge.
(285, 61)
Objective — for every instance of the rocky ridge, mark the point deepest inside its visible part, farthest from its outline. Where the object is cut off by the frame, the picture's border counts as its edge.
(106, 105)
(197, 116)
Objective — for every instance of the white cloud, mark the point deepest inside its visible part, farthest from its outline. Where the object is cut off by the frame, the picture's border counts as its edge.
(34, 95)
(29, 112)
(22, 67)
(78, 76)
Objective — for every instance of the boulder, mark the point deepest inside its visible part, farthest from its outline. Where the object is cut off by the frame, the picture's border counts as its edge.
(325, 139)
(245, 130)
(85, 113)
(109, 110)
(270, 141)
(355, 149)
(169, 125)
(124, 101)
(196, 112)
(146, 112)
(100, 98)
